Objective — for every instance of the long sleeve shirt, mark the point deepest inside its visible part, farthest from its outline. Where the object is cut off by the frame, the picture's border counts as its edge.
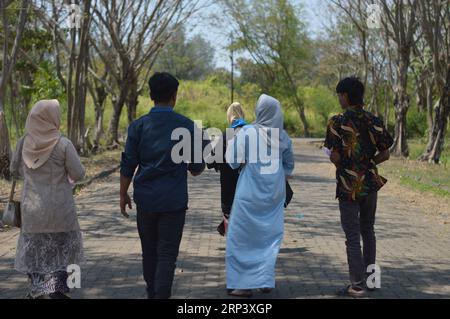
(160, 181)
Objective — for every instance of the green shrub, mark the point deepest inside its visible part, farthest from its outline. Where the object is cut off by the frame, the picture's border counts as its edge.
(416, 124)
(321, 102)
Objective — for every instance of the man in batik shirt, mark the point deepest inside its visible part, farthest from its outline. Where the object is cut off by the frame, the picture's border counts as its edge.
(358, 142)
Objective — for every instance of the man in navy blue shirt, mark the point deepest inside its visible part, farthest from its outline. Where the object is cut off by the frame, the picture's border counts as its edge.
(160, 183)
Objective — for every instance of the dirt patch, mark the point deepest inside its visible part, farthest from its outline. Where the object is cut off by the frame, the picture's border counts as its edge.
(432, 205)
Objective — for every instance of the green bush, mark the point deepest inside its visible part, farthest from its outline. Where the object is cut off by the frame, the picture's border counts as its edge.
(321, 102)
(208, 101)
(416, 124)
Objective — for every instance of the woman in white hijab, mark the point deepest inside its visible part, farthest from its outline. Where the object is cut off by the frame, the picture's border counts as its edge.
(256, 226)
(50, 237)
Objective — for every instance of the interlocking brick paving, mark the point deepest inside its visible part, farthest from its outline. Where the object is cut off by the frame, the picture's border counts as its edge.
(413, 248)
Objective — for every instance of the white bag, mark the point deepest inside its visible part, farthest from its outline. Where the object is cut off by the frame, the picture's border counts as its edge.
(11, 215)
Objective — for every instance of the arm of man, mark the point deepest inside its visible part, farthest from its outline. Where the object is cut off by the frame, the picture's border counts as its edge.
(197, 168)
(128, 165)
(332, 141)
(382, 157)
(125, 199)
(383, 141)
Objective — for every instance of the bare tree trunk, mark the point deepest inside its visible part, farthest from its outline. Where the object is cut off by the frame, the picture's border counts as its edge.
(387, 105)
(376, 90)
(9, 61)
(123, 83)
(437, 137)
(301, 113)
(83, 134)
(400, 147)
(374, 106)
(132, 98)
(300, 104)
(402, 102)
(421, 94)
(69, 88)
(431, 135)
(5, 148)
(400, 24)
(132, 103)
(429, 105)
(99, 91)
(14, 108)
(115, 118)
(434, 15)
(77, 103)
(99, 115)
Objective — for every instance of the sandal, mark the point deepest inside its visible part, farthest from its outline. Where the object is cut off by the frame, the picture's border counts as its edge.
(265, 290)
(30, 296)
(352, 291)
(58, 295)
(240, 293)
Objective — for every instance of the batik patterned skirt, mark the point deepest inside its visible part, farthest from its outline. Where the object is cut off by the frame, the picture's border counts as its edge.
(45, 258)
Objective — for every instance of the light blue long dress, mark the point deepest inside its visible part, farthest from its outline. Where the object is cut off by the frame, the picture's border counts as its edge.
(256, 227)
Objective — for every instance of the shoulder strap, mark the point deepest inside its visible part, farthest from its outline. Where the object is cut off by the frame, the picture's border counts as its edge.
(17, 168)
(19, 158)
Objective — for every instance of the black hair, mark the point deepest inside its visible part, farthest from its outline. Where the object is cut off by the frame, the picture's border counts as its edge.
(354, 89)
(163, 86)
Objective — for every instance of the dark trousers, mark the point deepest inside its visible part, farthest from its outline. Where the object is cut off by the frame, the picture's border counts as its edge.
(358, 220)
(160, 235)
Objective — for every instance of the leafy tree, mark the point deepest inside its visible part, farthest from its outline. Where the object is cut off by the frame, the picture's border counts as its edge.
(187, 59)
(276, 39)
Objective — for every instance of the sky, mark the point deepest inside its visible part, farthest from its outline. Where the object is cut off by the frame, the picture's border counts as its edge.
(219, 36)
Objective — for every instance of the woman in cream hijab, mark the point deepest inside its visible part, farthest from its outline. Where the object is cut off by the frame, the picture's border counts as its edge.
(50, 237)
(228, 176)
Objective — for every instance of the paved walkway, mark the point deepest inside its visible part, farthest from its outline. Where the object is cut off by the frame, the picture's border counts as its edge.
(413, 248)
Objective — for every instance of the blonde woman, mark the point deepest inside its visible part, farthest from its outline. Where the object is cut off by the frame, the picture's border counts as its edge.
(50, 237)
(228, 176)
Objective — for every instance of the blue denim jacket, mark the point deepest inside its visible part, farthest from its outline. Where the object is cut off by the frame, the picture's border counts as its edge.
(160, 184)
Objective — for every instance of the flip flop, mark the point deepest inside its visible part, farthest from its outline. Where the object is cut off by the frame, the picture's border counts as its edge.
(350, 291)
(265, 290)
(241, 293)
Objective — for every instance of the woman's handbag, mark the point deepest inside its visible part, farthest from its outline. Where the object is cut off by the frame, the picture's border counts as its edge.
(223, 227)
(289, 194)
(12, 214)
